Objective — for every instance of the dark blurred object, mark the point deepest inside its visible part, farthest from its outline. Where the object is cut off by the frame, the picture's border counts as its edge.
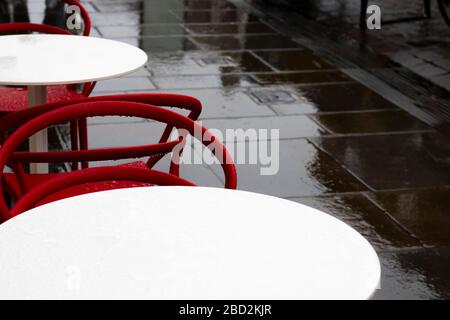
(308, 8)
(444, 6)
(17, 11)
(54, 13)
(14, 10)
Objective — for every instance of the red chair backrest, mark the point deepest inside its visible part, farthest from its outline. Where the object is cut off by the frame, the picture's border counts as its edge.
(9, 156)
(44, 28)
(191, 104)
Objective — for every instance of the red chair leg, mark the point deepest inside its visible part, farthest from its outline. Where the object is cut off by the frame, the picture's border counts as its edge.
(74, 140)
(82, 126)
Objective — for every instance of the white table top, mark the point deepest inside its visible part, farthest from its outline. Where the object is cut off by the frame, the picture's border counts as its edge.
(183, 243)
(63, 59)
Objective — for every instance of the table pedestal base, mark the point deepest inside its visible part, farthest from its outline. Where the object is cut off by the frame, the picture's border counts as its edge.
(39, 142)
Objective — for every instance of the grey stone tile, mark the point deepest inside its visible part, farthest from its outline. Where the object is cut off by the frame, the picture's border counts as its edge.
(288, 127)
(428, 70)
(192, 63)
(229, 28)
(333, 98)
(428, 55)
(406, 58)
(443, 81)
(200, 175)
(368, 219)
(371, 122)
(226, 103)
(210, 5)
(301, 78)
(444, 64)
(415, 275)
(225, 81)
(423, 212)
(117, 18)
(141, 30)
(115, 132)
(396, 161)
(214, 16)
(244, 42)
(294, 60)
(125, 84)
(303, 170)
(163, 44)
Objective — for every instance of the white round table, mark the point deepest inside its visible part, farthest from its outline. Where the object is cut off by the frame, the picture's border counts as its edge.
(37, 61)
(183, 243)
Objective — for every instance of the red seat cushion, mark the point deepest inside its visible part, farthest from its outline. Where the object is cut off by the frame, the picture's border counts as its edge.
(16, 99)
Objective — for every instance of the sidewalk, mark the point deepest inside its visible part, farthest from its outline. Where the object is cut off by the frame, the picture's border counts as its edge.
(345, 149)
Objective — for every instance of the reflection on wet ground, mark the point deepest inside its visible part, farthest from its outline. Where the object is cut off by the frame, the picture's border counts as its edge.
(346, 148)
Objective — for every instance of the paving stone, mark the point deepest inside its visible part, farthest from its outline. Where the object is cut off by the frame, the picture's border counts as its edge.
(226, 103)
(371, 122)
(229, 28)
(141, 30)
(294, 60)
(121, 18)
(125, 84)
(393, 161)
(271, 96)
(215, 16)
(193, 63)
(406, 59)
(239, 42)
(443, 81)
(225, 81)
(416, 274)
(424, 212)
(428, 70)
(301, 78)
(289, 127)
(333, 98)
(303, 170)
(368, 219)
(210, 5)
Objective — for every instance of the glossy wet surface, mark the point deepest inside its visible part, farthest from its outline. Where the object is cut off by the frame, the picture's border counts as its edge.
(348, 147)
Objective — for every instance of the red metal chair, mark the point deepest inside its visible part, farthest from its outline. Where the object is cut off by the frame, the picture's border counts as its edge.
(15, 120)
(62, 185)
(13, 99)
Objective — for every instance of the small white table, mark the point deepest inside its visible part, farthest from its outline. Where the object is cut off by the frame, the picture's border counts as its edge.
(183, 243)
(37, 61)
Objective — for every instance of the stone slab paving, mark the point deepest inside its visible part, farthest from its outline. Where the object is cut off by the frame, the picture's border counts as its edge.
(344, 148)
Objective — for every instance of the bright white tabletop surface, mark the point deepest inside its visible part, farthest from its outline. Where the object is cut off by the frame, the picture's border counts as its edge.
(64, 59)
(183, 243)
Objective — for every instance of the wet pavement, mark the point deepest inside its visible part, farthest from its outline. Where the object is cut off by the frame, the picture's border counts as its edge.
(352, 145)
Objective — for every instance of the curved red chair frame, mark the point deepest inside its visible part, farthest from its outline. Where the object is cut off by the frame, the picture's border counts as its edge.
(193, 105)
(70, 179)
(9, 156)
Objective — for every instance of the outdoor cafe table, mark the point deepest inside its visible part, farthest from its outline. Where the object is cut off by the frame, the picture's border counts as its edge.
(183, 243)
(38, 61)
